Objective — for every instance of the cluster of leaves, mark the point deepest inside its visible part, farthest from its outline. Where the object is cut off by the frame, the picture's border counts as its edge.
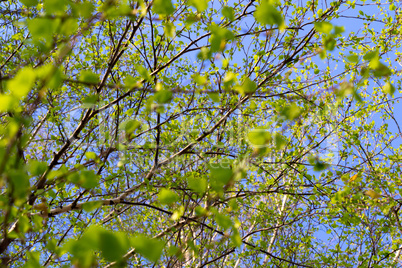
(197, 133)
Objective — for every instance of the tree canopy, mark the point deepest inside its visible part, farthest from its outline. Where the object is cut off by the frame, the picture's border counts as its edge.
(196, 133)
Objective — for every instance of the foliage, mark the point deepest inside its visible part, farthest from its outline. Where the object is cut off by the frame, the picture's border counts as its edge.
(196, 133)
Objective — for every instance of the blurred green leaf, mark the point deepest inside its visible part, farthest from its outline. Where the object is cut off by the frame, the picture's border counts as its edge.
(29, 3)
(55, 7)
(259, 137)
(228, 13)
(43, 28)
(91, 206)
(219, 38)
(167, 197)
(223, 221)
(248, 86)
(144, 73)
(388, 88)
(381, 70)
(89, 77)
(220, 175)
(22, 83)
(148, 247)
(280, 141)
(323, 27)
(86, 179)
(36, 168)
(267, 14)
(200, 5)
(291, 112)
(113, 245)
(197, 184)
(163, 7)
(169, 29)
(163, 96)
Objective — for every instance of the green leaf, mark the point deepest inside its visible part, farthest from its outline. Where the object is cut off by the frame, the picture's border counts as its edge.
(148, 247)
(223, 221)
(83, 9)
(169, 29)
(69, 26)
(20, 182)
(345, 89)
(219, 37)
(91, 155)
(229, 80)
(267, 14)
(90, 101)
(200, 5)
(55, 7)
(89, 77)
(338, 30)
(33, 258)
(29, 3)
(259, 137)
(204, 53)
(163, 7)
(228, 13)
(371, 55)
(22, 83)
(248, 86)
(51, 74)
(197, 184)
(323, 27)
(23, 224)
(329, 43)
(353, 58)
(236, 238)
(280, 141)
(381, 70)
(89, 179)
(163, 96)
(7, 103)
(200, 211)
(91, 206)
(167, 197)
(144, 73)
(131, 82)
(113, 245)
(86, 179)
(220, 175)
(130, 126)
(36, 168)
(42, 28)
(199, 79)
(388, 88)
(291, 112)
(317, 163)
(214, 96)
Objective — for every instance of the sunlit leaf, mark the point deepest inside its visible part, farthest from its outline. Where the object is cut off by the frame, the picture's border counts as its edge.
(163, 7)
(200, 5)
(267, 14)
(167, 196)
(148, 247)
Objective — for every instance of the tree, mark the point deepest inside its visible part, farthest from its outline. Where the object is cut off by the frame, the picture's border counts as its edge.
(200, 133)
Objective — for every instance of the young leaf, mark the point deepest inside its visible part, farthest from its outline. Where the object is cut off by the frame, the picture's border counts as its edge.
(163, 7)
(167, 197)
(247, 87)
(267, 14)
(148, 247)
(200, 5)
(323, 27)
